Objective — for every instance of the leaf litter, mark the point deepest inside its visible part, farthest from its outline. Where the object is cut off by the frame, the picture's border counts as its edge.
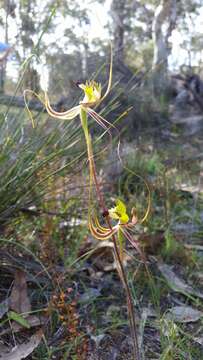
(176, 283)
(18, 308)
(21, 351)
(184, 314)
(19, 300)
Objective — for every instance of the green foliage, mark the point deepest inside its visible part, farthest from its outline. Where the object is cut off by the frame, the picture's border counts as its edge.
(172, 249)
(26, 155)
(12, 315)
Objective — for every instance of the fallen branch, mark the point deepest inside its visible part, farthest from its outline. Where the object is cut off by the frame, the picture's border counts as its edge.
(18, 101)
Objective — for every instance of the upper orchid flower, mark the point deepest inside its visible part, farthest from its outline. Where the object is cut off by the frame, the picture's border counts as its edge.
(92, 97)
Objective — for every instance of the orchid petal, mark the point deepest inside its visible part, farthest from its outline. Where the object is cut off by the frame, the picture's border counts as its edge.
(31, 92)
(133, 242)
(110, 77)
(101, 228)
(100, 119)
(66, 115)
(98, 99)
(97, 234)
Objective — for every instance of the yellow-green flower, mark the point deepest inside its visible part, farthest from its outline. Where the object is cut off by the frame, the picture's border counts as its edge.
(119, 212)
(121, 229)
(92, 91)
(93, 97)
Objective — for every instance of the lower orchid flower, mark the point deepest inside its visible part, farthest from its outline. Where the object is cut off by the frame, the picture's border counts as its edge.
(122, 228)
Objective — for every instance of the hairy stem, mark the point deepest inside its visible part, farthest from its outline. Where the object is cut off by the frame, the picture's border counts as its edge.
(120, 267)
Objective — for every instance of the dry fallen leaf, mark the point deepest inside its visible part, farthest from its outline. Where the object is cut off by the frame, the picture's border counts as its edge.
(23, 350)
(199, 340)
(177, 284)
(19, 301)
(184, 314)
(20, 305)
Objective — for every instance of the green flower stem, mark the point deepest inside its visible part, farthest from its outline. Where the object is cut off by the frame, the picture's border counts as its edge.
(121, 241)
(93, 176)
(83, 118)
(130, 306)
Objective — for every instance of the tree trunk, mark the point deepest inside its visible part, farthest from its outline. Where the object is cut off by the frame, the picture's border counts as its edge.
(4, 61)
(2, 77)
(118, 15)
(163, 24)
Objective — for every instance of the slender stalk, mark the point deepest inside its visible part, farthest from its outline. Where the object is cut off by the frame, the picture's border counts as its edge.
(130, 305)
(120, 267)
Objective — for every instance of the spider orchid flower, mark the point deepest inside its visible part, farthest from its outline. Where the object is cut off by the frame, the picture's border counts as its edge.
(92, 97)
(117, 213)
(123, 226)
